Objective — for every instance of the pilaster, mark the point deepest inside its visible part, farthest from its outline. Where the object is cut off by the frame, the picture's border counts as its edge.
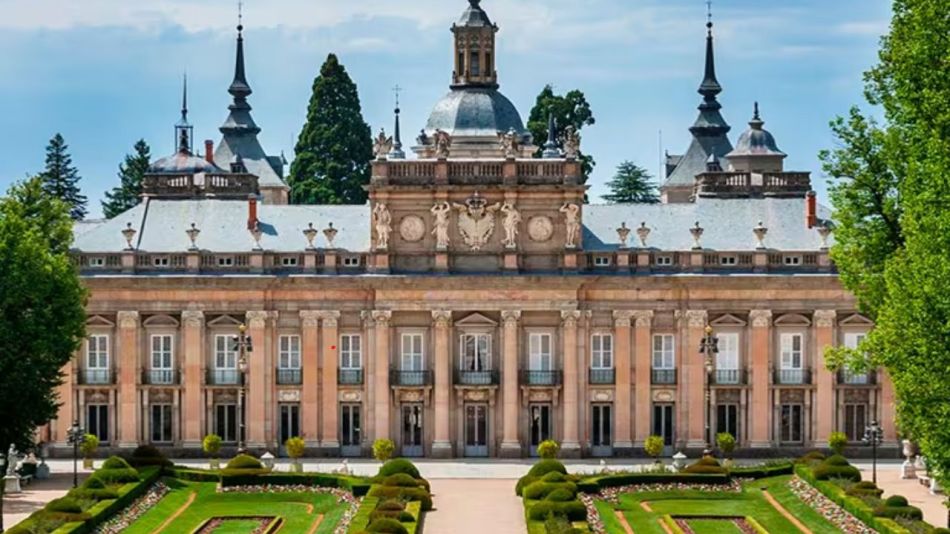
(257, 404)
(824, 325)
(761, 324)
(510, 446)
(695, 374)
(643, 370)
(381, 319)
(622, 382)
(329, 440)
(192, 342)
(310, 405)
(888, 410)
(127, 361)
(442, 323)
(570, 444)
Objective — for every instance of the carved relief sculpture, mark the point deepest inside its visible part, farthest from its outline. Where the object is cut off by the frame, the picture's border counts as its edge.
(382, 145)
(412, 228)
(540, 228)
(476, 221)
(510, 143)
(441, 231)
(511, 222)
(572, 221)
(571, 141)
(443, 141)
(382, 222)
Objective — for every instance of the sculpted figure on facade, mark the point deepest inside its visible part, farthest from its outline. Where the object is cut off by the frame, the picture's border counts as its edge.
(382, 145)
(511, 222)
(476, 221)
(441, 231)
(442, 141)
(571, 141)
(572, 221)
(382, 222)
(510, 143)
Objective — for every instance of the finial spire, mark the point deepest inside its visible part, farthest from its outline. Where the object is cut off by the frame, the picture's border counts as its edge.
(396, 152)
(756, 123)
(239, 87)
(550, 146)
(184, 129)
(184, 99)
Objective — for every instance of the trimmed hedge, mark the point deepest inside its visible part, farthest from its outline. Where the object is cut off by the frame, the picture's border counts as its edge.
(407, 494)
(561, 495)
(361, 518)
(403, 480)
(705, 465)
(195, 475)
(540, 490)
(595, 484)
(244, 461)
(572, 510)
(399, 465)
(543, 467)
(93, 494)
(864, 488)
(387, 525)
(115, 462)
(65, 505)
(893, 512)
(763, 471)
(116, 476)
(254, 477)
(827, 472)
(144, 455)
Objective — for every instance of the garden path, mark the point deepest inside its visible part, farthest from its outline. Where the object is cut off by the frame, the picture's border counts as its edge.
(470, 506)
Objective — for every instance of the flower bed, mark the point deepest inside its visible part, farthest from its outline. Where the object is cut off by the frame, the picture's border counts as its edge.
(126, 517)
(343, 497)
(831, 511)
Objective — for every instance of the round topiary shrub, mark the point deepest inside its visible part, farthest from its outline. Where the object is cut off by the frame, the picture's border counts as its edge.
(245, 461)
(115, 462)
(893, 512)
(812, 456)
(540, 490)
(64, 505)
(544, 467)
(864, 488)
(93, 494)
(391, 505)
(836, 460)
(548, 449)
(94, 483)
(116, 476)
(144, 455)
(401, 479)
(560, 495)
(827, 472)
(399, 465)
(707, 465)
(387, 525)
(895, 500)
(524, 482)
(554, 476)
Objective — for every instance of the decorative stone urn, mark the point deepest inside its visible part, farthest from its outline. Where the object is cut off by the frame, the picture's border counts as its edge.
(908, 468)
(268, 460)
(679, 461)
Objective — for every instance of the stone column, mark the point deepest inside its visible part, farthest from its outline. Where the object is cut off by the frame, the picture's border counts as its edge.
(570, 444)
(622, 382)
(442, 321)
(761, 405)
(310, 397)
(694, 387)
(330, 440)
(128, 364)
(381, 411)
(259, 362)
(192, 342)
(824, 324)
(510, 446)
(643, 354)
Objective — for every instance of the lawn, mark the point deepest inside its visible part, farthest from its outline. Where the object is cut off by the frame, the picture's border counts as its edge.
(299, 510)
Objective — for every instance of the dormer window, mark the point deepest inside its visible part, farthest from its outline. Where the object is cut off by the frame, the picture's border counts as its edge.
(288, 261)
(792, 261)
(225, 261)
(601, 261)
(351, 261)
(160, 261)
(728, 261)
(663, 261)
(97, 262)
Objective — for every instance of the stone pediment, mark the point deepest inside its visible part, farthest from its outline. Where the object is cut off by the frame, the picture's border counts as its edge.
(98, 320)
(476, 319)
(728, 320)
(792, 319)
(856, 319)
(160, 320)
(225, 320)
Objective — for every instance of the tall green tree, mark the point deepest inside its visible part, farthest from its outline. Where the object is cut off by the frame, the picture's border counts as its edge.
(128, 193)
(42, 299)
(571, 109)
(61, 179)
(632, 184)
(335, 147)
(891, 191)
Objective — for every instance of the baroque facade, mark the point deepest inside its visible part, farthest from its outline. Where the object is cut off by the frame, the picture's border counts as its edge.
(475, 306)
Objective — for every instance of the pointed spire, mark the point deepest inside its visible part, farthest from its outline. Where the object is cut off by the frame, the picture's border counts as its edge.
(184, 129)
(239, 87)
(184, 101)
(396, 152)
(710, 122)
(756, 123)
(550, 146)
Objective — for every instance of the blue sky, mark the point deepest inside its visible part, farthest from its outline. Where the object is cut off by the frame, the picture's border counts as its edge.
(105, 73)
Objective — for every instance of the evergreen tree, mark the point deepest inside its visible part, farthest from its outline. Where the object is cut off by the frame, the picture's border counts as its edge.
(335, 147)
(127, 195)
(61, 179)
(571, 109)
(632, 184)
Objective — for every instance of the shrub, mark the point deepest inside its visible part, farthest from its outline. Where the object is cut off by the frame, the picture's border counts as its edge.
(543, 467)
(836, 460)
(556, 524)
(116, 476)
(893, 512)
(572, 510)
(245, 461)
(827, 472)
(94, 494)
(548, 449)
(89, 445)
(707, 465)
(812, 456)
(116, 462)
(65, 505)
(148, 455)
(399, 465)
(653, 446)
(896, 500)
(837, 441)
(295, 447)
(864, 488)
(93, 483)
(391, 505)
(401, 479)
(524, 482)
(211, 444)
(726, 443)
(407, 494)
(383, 449)
(554, 476)
(540, 490)
(387, 525)
(561, 495)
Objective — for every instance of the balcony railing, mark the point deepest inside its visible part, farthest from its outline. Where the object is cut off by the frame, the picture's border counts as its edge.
(476, 378)
(849, 378)
(728, 377)
(161, 377)
(792, 376)
(601, 376)
(541, 378)
(289, 377)
(663, 376)
(224, 377)
(96, 376)
(410, 378)
(349, 377)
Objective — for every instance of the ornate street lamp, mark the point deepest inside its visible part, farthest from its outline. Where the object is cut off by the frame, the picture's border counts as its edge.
(75, 436)
(242, 343)
(873, 435)
(708, 347)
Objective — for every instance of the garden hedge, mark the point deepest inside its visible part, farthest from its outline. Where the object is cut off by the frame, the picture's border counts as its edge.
(399, 465)
(572, 510)
(595, 484)
(762, 471)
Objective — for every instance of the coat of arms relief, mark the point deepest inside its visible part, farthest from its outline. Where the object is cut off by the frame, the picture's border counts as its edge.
(476, 221)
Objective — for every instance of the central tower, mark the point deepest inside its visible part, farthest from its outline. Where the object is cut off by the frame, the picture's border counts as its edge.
(474, 49)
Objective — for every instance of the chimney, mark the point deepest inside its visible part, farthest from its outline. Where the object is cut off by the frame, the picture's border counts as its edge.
(209, 150)
(811, 209)
(251, 212)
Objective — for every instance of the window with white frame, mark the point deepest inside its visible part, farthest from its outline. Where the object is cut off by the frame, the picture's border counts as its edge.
(728, 356)
(160, 261)
(792, 260)
(162, 356)
(411, 352)
(475, 350)
(288, 261)
(97, 352)
(663, 352)
(225, 352)
(791, 351)
(663, 261)
(351, 355)
(97, 262)
(853, 340)
(601, 351)
(728, 260)
(540, 356)
(225, 261)
(289, 352)
(601, 261)
(351, 261)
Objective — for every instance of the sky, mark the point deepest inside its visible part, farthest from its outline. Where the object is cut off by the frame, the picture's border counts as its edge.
(106, 73)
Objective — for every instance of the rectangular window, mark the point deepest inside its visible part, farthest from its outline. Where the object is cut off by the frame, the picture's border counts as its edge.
(792, 261)
(728, 261)
(727, 419)
(97, 352)
(728, 356)
(475, 352)
(664, 261)
(289, 352)
(602, 351)
(540, 357)
(792, 351)
(161, 423)
(288, 261)
(97, 262)
(351, 356)
(855, 421)
(162, 353)
(601, 261)
(225, 352)
(663, 354)
(475, 67)
(852, 340)
(412, 352)
(97, 421)
(225, 422)
(225, 261)
(791, 424)
(351, 261)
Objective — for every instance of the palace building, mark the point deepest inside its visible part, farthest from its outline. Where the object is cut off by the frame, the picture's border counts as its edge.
(476, 305)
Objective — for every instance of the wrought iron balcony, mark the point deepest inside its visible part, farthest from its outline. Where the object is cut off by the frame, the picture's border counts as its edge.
(289, 377)
(161, 377)
(224, 377)
(663, 376)
(793, 377)
(410, 378)
(846, 377)
(476, 378)
(601, 376)
(96, 377)
(349, 377)
(541, 378)
(729, 377)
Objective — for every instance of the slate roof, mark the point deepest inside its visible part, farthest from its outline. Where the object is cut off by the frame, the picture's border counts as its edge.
(474, 112)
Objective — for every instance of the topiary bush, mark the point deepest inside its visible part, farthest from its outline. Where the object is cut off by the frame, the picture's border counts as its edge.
(115, 462)
(837, 442)
(93, 494)
(64, 505)
(828, 472)
(93, 483)
(653, 446)
(211, 444)
(543, 467)
(812, 456)
(391, 505)
(383, 449)
(245, 461)
(894, 512)
(572, 510)
(387, 525)
(561, 495)
(401, 479)
(896, 500)
(401, 493)
(144, 455)
(548, 449)
(726, 443)
(540, 490)
(707, 465)
(554, 476)
(399, 465)
(116, 476)
(556, 524)
(836, 460)
(864, 488)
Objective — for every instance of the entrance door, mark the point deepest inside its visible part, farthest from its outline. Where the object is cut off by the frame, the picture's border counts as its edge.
(351, 425)
(289, 424)
(601, 432)
(412, 430)
(540, 415)
(727, 419)
(476, 430)
(663, 425)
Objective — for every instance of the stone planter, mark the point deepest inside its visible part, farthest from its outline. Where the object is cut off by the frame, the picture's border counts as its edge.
(296, 466)
(87, 463)
(214, 463)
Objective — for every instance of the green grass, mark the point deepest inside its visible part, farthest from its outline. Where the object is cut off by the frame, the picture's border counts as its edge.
(713, 526)
(292, 507)
(237, 526)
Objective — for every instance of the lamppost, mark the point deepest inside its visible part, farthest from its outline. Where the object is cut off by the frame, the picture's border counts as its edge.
(708, 347)
(873, 435)
(75, 436)
(242, 343)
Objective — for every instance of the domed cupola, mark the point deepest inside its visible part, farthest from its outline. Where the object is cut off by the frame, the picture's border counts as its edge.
(756, 150)
(183, 161)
